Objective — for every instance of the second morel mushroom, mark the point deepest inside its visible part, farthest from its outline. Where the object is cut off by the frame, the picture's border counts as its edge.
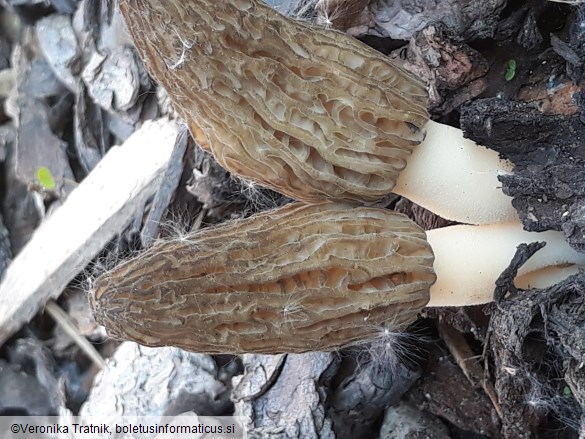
(303, 278)
(294, 279)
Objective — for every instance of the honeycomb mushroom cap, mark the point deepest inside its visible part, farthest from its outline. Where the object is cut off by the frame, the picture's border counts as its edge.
(299, 278)
(309, 112)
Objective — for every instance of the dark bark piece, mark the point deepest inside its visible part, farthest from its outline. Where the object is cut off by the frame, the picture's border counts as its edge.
(519, 310)
(65, 6)
(548, 198)
(508, 27)
(91, 137)
(521, 133)
(505, 283)
(20, 390)
(574, 225)
(21, 213)
(294, 405)
(262, 371)
(531, 374)
(567, 320)
(547, 184)
(529, 36)
(470, 19)
(365, 386)
(566, 51)
(577, 43)
(575, 378)
(169, 185)
(5, 247)
(31, 354)
(530, 23)
(222, 194)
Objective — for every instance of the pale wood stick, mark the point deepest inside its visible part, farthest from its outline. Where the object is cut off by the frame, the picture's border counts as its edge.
(94, 213)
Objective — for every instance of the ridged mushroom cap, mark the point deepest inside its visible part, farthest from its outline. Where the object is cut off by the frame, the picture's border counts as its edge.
(295, 279)
(310, 112)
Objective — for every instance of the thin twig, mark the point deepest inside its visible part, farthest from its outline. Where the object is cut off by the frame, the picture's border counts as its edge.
(472, 370)
(65, 322)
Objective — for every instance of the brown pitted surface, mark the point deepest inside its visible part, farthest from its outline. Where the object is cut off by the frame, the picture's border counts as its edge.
(309, 112)
(295, 279)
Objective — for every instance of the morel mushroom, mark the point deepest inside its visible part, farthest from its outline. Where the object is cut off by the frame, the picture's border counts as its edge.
(312, 113)
(299, 278)
(302, 278)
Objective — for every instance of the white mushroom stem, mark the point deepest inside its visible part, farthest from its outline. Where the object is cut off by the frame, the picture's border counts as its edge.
(456, 178)
(469, 260)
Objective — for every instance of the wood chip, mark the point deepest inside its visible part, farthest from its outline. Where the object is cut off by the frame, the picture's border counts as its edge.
(99, 208)
(58, 43)
(113, 80)
(151, 382)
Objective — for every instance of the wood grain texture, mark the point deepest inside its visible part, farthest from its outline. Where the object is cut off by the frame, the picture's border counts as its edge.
(98, 209)
(309, 112)
(295, 279)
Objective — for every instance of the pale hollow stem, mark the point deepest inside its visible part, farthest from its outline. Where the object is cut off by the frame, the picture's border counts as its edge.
(456, 179)
(469, 260)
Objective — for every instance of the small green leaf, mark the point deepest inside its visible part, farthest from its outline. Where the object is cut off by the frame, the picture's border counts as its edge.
(46, 178)
(510, 69)
(567, 392)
